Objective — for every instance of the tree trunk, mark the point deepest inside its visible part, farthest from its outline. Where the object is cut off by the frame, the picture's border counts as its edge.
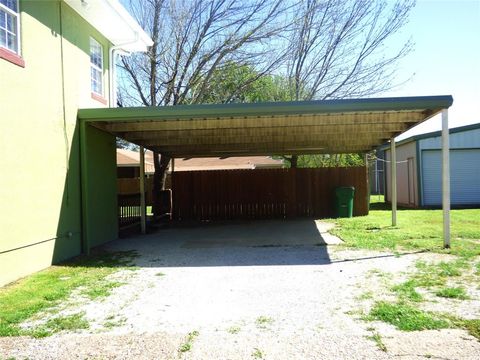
(164, 161)
(294, 161)
(159, 179)
(157, 185)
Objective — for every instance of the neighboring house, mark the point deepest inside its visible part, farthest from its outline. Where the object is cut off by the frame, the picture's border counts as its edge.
(55, 58)
(419, 166)
(128, 163)
(230, 163)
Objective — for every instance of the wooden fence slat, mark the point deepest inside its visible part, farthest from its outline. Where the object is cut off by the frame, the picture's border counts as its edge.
(247, 194)
(265, 193)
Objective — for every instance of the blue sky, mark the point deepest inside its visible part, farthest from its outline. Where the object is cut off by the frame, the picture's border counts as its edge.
(446, 59)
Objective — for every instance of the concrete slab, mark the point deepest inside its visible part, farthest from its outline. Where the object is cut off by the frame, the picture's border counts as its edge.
(269, 233)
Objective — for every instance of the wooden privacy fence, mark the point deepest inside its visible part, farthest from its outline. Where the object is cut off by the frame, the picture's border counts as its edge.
(265, 193)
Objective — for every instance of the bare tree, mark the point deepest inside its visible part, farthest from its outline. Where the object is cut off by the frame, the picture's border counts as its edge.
(338, 49)
(323, 49)
(192, 40)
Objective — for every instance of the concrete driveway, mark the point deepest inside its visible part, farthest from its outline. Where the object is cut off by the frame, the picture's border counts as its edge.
(298, 242)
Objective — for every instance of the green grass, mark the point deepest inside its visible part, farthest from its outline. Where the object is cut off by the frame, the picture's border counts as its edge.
(187, 345)
(453, 293)
(112, 322)
(407, 291)
(57, 324)
(258, 354)
(262, 322)
(419, 230)
(472, 326)
(102, 289)
(70, 322)
(415, 230)
(376, 337)
(234, 329)
(434, 275)
(406, 317)
(44, 290)
(366, 295)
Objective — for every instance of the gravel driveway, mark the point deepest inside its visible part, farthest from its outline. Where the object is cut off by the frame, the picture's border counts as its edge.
(270, 290)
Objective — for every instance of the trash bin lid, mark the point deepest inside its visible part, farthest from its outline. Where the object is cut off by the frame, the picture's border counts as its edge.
(345, 191)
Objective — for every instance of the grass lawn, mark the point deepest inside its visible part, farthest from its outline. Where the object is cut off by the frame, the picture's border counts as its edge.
(419, 230)
(415, 230)
(46, 289)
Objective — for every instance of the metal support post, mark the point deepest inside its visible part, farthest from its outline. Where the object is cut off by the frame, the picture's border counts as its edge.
(143, 215)
(445, 179)
(393, 173)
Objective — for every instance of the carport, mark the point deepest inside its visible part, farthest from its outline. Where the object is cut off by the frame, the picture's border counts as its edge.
(186, 131)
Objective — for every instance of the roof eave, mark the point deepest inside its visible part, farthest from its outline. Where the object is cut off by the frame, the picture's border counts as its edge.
(108, 17)
(432, 104)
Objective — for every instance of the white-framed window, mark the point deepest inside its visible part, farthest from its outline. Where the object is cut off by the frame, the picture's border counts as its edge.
(10, 25)
(96, 67)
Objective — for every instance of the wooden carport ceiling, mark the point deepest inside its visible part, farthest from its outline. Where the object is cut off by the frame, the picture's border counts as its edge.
(332, 126)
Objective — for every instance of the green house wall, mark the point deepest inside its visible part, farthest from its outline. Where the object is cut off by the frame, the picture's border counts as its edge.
(99, 190)
(40, 186)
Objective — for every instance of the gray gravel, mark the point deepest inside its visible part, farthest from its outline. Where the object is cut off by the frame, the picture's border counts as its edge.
(252, 290)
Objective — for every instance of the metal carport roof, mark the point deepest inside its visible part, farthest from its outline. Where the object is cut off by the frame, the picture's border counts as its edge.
(303, 127)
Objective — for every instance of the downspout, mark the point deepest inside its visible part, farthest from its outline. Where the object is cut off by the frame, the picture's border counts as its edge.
(112, 86)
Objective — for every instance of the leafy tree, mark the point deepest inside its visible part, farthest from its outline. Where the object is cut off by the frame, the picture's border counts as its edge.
(241, 83)
(330, 160)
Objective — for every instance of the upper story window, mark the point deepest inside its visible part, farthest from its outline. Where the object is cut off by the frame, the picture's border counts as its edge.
(10, 25)
(96, 67)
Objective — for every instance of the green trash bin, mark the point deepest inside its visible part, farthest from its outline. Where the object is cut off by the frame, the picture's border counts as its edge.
(344, 201)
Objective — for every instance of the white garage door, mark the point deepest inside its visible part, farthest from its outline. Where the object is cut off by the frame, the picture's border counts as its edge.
(464, 177)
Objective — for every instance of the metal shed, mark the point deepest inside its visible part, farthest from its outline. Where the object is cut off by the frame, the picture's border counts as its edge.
(419, 164)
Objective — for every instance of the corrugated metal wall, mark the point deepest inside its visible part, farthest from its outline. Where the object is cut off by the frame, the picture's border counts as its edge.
(464, 168)
(464, 177)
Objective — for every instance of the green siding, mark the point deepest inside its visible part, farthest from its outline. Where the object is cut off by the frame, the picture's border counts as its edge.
(99, 190)
(40, 194)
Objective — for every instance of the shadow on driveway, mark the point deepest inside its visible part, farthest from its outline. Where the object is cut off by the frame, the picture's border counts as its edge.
(245, 243)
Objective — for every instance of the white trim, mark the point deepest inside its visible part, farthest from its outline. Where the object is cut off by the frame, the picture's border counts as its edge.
(17, 24)
(112, 57)
(96, 67)
(111, 19)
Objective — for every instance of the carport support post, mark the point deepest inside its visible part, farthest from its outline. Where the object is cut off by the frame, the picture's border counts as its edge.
(393, 172)
(446, 179)
(143, 215)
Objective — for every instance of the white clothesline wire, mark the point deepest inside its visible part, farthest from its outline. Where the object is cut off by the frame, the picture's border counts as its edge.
(388, 161)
